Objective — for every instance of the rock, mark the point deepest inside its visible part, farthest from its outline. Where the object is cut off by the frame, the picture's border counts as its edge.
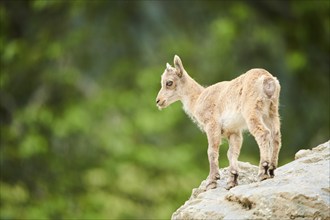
(299, 190)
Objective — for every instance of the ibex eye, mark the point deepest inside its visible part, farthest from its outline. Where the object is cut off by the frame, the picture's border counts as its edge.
(169, 83)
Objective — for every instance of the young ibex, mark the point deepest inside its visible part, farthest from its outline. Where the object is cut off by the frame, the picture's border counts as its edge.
(224, 110)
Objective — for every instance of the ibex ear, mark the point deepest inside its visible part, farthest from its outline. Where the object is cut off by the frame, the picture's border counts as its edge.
(178, 65)
(168, 66)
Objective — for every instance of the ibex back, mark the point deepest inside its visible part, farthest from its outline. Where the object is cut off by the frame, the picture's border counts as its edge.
(225, 110)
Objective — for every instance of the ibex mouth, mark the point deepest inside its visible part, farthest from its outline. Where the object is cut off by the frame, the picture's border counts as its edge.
(161, 104)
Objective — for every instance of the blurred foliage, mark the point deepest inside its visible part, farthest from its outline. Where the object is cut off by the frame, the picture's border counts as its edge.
(81, 137)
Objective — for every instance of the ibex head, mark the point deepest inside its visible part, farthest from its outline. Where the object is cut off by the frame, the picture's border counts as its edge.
(171, 82)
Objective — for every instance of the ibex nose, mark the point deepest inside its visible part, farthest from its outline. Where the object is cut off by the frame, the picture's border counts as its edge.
(157, 101)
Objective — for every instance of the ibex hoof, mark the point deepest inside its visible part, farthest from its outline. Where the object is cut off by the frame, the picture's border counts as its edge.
(263, 171)
(263, 176)
(230, 185)
(212, 184)
(271, 171)
(232, 181)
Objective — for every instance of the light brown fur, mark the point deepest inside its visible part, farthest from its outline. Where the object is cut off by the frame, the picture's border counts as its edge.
(224, 110)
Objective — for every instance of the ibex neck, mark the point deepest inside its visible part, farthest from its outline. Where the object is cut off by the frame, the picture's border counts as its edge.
(190, 94)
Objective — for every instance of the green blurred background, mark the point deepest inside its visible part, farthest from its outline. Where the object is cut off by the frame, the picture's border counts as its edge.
(81, 137)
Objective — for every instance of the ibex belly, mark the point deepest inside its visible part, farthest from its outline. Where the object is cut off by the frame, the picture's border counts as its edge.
(232, 121)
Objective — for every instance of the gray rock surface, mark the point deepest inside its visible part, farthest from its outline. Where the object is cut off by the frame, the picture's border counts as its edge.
(300, 190)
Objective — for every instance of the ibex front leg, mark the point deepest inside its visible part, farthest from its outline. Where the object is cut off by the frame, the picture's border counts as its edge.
(213, 136)
(235, 144)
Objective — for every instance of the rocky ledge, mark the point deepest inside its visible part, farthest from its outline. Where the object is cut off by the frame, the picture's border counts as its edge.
(300, 190)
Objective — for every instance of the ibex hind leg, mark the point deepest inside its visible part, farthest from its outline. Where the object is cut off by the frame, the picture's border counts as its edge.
(262, 135)
(276, 143)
